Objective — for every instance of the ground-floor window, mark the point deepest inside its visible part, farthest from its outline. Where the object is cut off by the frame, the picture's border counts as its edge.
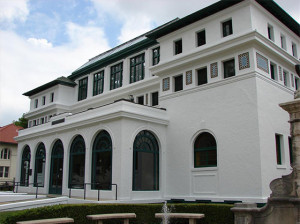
(56, 168)
(25, 166)
(102, 162)
(77, 163)
(205, 151)
(39, 170)
(145, 162)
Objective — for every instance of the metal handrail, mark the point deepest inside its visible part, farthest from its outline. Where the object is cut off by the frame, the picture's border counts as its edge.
(97, 183)
(17, 184)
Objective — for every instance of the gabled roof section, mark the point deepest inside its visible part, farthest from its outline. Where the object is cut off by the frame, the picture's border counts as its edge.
(269, 5)
(130, 47)
(8, 132)
(61, 80)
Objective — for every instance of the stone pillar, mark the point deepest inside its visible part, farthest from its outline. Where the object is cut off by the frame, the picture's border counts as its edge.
(293, 108)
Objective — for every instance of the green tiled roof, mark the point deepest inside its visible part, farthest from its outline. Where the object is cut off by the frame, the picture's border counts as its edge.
(61, 80)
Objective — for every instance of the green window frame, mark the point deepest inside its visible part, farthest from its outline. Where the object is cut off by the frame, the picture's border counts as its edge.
(56, 168)
(229, 68)
(278, 140)
(227, 28)
(155, 56)
(116, 76)
(39, 167)
(137, 68)
(145, 151)
(77, 163)
(178, 47)
(82, 88)
(205, 151)
(25, 167)
(102, 162)
(98, 83)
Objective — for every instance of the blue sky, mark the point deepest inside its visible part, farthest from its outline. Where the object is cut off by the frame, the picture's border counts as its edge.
(41, 40)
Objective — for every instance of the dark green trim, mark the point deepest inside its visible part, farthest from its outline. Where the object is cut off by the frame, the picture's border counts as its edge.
(102, 143)
(26, 156)
(40, 157)
(98, 83)
(137, 68)
(77, 148)
(57, 154)
(82, 89)
(269, 5)
(146, 139)
(116, 73)
(155, 55)
(113, 58)
(61, 80)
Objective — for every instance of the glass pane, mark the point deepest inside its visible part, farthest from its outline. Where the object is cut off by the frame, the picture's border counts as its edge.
(103, 169)
(145, 171)
(77, 169)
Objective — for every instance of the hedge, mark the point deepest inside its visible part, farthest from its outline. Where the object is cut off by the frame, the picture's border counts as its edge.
(214, 213)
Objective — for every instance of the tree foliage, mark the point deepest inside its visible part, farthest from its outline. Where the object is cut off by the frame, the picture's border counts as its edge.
(22, 122)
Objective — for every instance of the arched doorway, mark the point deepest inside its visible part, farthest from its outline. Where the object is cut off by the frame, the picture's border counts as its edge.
(102, 162)
(56, 168)
(77, 163)
(39, 167)
(25, 167)
(145, 162)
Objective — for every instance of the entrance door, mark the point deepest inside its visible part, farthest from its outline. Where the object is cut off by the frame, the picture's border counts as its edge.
(56, 170)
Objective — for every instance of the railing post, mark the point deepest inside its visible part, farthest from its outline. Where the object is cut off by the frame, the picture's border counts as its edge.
(98, 194)
(37, 188)
(84, 191)
(70, 192)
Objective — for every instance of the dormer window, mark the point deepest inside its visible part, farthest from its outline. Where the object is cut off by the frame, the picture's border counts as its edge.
(82, 89)
(155, 56)
(137, 68)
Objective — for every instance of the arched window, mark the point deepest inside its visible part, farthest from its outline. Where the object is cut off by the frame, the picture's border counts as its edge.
(5, 154)
(39, 168)
(145, 162)
(77, 163)
(56, 170)
(25, 166)
(102, 162)
(205, 151)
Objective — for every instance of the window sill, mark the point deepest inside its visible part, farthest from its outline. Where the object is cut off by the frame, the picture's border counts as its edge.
(281, 167)
(199, 169)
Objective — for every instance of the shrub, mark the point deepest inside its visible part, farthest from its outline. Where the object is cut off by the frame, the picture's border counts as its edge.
(214, 213)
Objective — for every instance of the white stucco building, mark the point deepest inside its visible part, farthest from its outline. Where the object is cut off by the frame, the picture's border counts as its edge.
(204, 123)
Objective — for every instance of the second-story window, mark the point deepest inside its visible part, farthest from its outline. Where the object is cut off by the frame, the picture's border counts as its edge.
(44, 100)
(98, 83)
(155, 56)
(229, 68)
(116, 76)
(294, 50)
(178, 83)
(137, 68)
(227, 28)
(36, 103)
(201, 40)
(283, 41)
(270, 32)
(82, 89)
(52, 97)
(178, 47)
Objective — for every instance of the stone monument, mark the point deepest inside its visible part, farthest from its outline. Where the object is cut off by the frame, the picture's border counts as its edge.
(283, 205)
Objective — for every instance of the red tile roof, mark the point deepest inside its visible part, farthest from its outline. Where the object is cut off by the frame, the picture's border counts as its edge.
(8, 132)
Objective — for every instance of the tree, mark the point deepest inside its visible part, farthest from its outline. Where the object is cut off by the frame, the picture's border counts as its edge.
(22, 122)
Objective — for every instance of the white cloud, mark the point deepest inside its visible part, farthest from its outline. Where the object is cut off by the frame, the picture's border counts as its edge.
(43, 43)
(139, 17)
(11, 10)
(28, 63)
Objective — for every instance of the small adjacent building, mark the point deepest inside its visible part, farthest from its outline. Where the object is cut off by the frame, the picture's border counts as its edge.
(8, 153)
(188, 110)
